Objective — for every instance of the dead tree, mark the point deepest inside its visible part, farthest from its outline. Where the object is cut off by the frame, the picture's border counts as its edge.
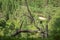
(32, 21)
(31, 16)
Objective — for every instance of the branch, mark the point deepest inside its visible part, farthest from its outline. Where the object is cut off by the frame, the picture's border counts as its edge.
(24, 31)
(21, 25)
(34, 22)
(31, 16)
(37, 27)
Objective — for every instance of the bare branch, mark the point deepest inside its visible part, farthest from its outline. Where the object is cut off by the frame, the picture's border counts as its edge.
(24, 31)
(31, 16)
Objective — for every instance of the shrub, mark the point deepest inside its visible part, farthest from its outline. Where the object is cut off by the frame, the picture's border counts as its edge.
(54, 26)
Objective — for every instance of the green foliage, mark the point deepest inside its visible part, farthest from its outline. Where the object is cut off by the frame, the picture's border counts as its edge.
(54, 26)
(13, 12)
(2, 23)
(55, 3)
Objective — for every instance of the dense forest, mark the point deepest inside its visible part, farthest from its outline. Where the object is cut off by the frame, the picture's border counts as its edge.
(29, 19)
